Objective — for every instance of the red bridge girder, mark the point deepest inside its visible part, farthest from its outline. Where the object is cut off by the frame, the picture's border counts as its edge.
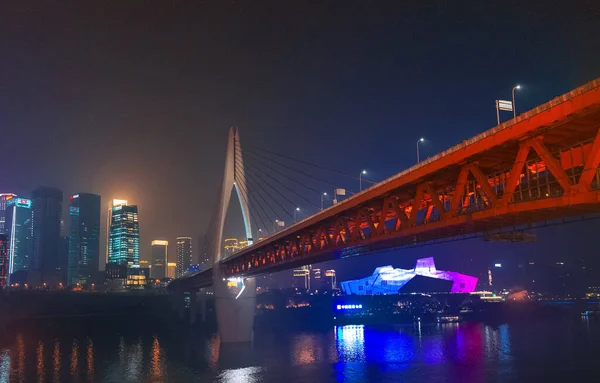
(541, 165)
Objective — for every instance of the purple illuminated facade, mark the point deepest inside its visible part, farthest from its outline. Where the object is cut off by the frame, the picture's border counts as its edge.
(387, 280)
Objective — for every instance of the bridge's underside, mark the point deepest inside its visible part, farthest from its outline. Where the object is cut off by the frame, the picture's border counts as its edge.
(540, 166)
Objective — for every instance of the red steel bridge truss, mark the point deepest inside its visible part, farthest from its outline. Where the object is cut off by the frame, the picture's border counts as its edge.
(540, 166)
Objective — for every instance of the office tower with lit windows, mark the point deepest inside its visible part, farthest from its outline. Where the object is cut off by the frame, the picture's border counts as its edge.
(20, 231)
(204, 258)
(302, 277)
(112, 203)
(316, 282)
(231, 246)
(46, 203)
(171, 268)
(184, 255)
(330, 280)
(84, 241)
(124, 236)
(4, 261)
(4, 198)
(159, 259)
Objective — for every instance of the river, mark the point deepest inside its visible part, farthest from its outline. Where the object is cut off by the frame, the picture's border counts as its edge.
(105, 351)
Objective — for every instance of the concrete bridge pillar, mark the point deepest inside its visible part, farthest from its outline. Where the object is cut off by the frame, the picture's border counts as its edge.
(193, 307)
(235, 311)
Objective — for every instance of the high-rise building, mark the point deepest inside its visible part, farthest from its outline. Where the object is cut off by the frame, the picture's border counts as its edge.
(171, 267)
(113, 203)
(4, 198)
(204, 259)
(231, 246)
(124, 236)
(330, 280)
(4, 260)
(84, 242)
(184, 255)
(20, 231)
(159, 259)
(316, 279)
(47, 212)
(302, 277)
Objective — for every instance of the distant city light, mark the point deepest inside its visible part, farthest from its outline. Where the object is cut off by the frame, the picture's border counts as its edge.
(349, 307)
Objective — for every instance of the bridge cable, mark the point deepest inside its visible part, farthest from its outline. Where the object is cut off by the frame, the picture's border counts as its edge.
(250, 200)
(308, 163)
(291, 190)
(297, 171)
(263, 163)
(251, 205)
(255, 173)
(256, 185)
(260, 195)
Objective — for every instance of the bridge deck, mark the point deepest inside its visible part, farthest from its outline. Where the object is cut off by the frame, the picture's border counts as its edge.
(465, 189)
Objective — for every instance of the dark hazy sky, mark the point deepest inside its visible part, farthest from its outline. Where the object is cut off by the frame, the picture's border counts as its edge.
(133, 99)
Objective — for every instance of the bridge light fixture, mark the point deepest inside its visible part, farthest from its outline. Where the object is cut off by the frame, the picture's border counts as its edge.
(296, 210)
(514, 107)
(418, 142)
(360, 179)
(322, 195)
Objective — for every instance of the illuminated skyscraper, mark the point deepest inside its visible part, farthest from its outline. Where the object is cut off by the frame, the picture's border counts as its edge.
(113, 203)
(4, 198)
(302, 277)
(316, 282)
(20, 231)
(47, 212)
(124, 236)
(159, 259)
(84, 242)
(4, 261)
(330, 280)
(230, 246)
(184, 255)
(171, 266)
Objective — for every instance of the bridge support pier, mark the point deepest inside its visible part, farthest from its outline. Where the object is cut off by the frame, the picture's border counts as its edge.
(193, 307)
(235, 313)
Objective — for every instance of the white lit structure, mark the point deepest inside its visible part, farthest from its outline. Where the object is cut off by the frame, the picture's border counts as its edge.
(387, 280)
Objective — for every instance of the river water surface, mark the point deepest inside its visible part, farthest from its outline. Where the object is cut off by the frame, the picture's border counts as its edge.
(553, 350)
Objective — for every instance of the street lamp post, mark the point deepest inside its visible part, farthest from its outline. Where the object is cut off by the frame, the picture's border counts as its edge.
(296, 210)
(360, 179)
(275, 226)
(419, 141)
(322, 195)
(513, 99)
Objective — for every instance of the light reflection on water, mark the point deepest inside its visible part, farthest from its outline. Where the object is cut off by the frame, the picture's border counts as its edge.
(469, 352)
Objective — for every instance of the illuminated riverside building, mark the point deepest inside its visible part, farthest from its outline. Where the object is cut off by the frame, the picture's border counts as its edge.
(330, 280)
(387, 280)
(4, 261)
(124, 236)
(231, 246)
(20, 231)
(46, 265)
(159, 259)
(113, 203)
(302, 277)
(84, 242)
(184, 255)
(4, 198)
(171, 267)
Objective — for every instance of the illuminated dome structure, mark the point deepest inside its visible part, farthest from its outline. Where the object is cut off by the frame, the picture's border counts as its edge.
(387, 280)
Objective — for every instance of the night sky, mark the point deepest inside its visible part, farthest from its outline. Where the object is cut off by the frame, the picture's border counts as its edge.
(134, 100)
